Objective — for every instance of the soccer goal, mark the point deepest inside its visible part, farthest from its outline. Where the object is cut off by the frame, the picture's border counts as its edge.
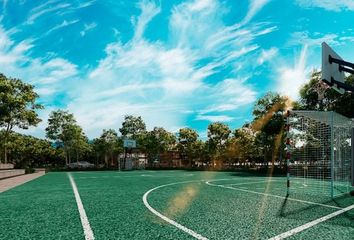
(320, 153)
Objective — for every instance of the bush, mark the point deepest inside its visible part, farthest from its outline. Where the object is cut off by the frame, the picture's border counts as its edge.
(29, 170)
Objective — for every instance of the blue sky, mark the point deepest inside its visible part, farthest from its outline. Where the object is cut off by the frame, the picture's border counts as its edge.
(175, 63)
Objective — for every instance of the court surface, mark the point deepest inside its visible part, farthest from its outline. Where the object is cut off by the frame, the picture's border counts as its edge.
(170, 205)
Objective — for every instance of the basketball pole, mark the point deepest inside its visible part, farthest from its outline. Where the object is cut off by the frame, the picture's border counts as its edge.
(288, 153)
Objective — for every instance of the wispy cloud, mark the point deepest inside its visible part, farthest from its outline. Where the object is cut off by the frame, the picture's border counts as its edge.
(48, 7)
(165, 82)
(267, 55)
(88, 27)
(214, 118)
(230, 94)
(62, 25)
(199, 72)
(329, 5)
(149, 9)
(301, 38)
(45, 74)
(254, 7)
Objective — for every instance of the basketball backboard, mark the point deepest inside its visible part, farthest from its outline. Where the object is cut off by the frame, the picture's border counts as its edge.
(330, 70)
(129, 143)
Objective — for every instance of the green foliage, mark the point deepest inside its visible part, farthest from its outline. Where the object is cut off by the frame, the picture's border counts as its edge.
(218, 133)
(187, 138)
(17, 107)
(158, 141)
(241, 147)
(26, 151)
(64, 131)
(108, 146)
(332, 101)
(132, 127)
(58, 121)
(268, 125)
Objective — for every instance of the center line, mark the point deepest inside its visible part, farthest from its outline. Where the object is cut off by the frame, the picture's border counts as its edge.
(84, 220)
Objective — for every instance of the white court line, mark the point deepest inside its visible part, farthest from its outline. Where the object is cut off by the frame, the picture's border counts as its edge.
(271, 195)
(170, 221)
(238, 184)
(311, 224)
(84, 220)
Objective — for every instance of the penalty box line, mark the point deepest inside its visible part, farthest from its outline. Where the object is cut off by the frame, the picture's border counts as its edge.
(311, 224)
(271, 195)
(84, 220)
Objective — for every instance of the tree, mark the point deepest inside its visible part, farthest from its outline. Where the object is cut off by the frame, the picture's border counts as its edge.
(268, 124)
(132, 127)
(110, 145)
(218, 133)
(28, 151)
(158, 141)
(186, 140)
(75, 140)
(241, 146)
(332, 100)
(17, 107)
(59, 123)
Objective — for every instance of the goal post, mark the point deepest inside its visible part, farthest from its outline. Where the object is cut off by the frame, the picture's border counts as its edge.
(320, 146)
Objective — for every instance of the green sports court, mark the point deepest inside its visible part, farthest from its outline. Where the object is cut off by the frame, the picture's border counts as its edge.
(170, 205)
(176, 119)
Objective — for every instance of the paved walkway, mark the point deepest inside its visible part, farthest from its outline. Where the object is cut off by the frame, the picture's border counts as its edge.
(9, 183)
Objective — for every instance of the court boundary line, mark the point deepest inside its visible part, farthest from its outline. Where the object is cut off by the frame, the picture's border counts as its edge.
(268, 194)
(163, 217)
(83, 217)
(311, 224)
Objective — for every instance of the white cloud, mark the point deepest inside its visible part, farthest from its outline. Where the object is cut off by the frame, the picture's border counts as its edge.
(230, 94)
(254, 8)
(88, 27)
(48, 76)
(267, 55)
(62, 25)
(290, 79)
(148, 10)
(305, 38)
(165, 82)
(45, 8)
(330, 5)
(215, 118)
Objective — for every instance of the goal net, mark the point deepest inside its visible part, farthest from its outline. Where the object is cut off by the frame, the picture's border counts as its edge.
(320, 153)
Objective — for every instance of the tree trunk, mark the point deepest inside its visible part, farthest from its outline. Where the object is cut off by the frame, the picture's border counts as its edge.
(7, 133)
(5, 153)
(106, 159)
(77, 157)
(66, 155)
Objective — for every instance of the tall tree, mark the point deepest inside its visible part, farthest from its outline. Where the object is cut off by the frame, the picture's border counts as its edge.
(268, 124)
(132, 127)
(17, 107)
(158, 141)
(75, 140)
(241, 146)
(111, 145)
(187, 137)
(58, 124)
(218, 133)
